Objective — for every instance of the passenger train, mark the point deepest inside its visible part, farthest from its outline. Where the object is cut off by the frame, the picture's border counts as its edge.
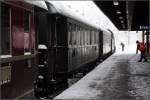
(39, 42)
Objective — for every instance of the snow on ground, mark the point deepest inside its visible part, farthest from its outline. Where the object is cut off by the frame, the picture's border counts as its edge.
(82, 90)
(131, 49)
(118, 77)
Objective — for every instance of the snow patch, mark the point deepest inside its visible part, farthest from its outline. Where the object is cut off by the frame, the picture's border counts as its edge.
(5, 56)
(42, 46)
(38, 3)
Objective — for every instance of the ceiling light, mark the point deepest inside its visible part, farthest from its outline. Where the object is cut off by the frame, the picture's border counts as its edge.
(122, 21)
(118, 12)
(123, 26)
(116, 3)
(120, 17)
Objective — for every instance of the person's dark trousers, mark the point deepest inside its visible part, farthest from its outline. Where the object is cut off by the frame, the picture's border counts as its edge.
(142, 56)
(122, 48)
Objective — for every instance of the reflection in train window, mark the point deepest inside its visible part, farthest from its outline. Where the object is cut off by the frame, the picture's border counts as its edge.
(69, 34)
(5, 31)
(27, 40)
(26, 21)
(5, 74)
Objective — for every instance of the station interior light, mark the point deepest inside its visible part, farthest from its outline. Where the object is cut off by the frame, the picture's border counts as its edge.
(116, 3)
(120, 17)
(118, 12)
(122, 21)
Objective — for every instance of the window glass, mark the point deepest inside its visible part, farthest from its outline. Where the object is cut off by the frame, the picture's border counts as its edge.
(86, 37)
(81, 33)
(97, 37)
(69, 34)
(80, 36)
(83, 36)
(26, 21)
(74, 34)
(5, 31)
(26, 24)
(90, 37)
(72, 38)
(94, 37)
(5, 74)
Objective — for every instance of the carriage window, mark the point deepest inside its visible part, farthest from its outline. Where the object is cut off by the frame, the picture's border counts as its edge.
(79, 36)
(5, 25)
(86, 37)
(80, 31)
(93, 37)
(97, 37)
(77, 32)
(5, 73)
(26, 21)
(26, 24)
(69, 34)
(83, 36)
(74, 34)
(90, 37)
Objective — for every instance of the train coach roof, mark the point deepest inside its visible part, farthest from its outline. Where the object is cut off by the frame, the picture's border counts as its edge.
(65, 8)
(38, 3)
(83, 11)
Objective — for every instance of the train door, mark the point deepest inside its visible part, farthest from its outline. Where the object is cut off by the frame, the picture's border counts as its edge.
(43, 39)
(100, 44)
(70, 51)
(61, 49)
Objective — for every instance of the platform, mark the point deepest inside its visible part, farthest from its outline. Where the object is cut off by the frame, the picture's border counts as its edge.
(120, 77)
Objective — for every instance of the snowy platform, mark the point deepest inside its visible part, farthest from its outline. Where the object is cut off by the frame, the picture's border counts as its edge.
(120, 77)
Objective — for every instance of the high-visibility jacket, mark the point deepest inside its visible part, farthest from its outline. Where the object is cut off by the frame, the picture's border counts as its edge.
(141, 47)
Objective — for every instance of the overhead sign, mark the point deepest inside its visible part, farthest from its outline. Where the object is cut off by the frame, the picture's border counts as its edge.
(145, 27)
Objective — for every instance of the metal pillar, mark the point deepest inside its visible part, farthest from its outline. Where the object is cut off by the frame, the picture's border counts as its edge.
(147, 41)
(143, 38)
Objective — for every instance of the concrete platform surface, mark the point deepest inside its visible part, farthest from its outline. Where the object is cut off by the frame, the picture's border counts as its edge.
(120, 77)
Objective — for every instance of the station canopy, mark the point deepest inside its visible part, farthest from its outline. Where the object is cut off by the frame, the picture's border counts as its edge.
(132, 15)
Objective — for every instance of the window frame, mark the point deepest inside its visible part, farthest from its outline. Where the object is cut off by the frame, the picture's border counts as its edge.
(29, 51)
(9, 33)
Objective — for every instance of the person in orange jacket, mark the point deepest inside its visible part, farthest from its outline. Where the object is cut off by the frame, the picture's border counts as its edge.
(141, 48)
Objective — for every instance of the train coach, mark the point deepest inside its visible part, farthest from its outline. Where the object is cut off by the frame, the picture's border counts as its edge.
(72, 44)
(46, 43)
(18, 68)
